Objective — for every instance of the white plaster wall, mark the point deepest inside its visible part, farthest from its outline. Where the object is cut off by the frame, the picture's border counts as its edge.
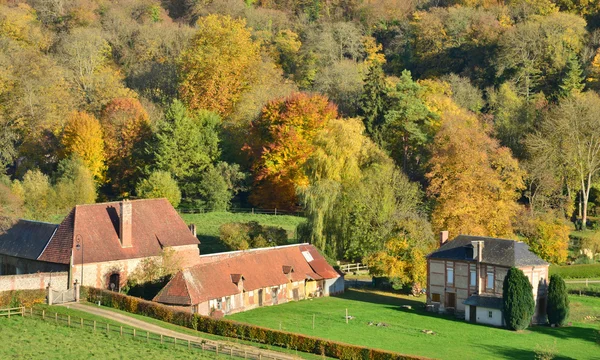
(483, 316)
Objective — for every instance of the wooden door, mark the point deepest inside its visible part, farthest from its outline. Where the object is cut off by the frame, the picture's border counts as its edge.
(473, 314)
(260, 297)
(451, 300)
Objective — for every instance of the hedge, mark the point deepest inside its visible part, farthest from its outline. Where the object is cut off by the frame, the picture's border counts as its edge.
(26, 298)
(242, 331)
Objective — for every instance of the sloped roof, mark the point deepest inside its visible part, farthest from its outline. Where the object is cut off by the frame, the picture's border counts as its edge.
(26, 239)
(155, 224)
(260, 268)
(486, 301)
(502, 252)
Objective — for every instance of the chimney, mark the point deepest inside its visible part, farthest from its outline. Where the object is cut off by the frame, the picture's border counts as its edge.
(478, 255)
(443, 237)
(125, 224)
(193, 229)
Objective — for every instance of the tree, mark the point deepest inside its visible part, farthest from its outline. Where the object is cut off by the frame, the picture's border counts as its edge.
(572, 81)
(186, 144)
(126, 130)
(517, 299)
(280, 142)
(547, 236)
(37, 195)
(75, 184)
(83, 137)
(372, 104)
(475, 183)
(219, 184)
(218, 65)
(558, 301)
(568, 141)
(159, 184)
(11, 207)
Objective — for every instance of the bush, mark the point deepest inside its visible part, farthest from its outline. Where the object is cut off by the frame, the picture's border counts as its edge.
(518, 303)
(242, 236)
(160, 184)
(241, 331)
(26, 298)
(558, 301)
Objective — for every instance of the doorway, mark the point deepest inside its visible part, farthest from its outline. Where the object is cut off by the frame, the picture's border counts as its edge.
(451, 300)
(114, 282)
(274, 296)
(472, 314)
(260, 297)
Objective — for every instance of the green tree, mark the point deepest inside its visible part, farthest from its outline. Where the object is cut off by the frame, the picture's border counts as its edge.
(37, 194)
(159, 184)
(517, 299)
(572, 80)
(558, 301)
(372, 104)
(219, 184)
(11, 206)
(75, 184)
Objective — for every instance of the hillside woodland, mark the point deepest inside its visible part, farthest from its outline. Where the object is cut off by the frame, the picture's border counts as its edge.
(384, 120)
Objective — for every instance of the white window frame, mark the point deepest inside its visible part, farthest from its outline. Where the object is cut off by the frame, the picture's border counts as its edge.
(490, 314)
(473, 278)
(487, 282)
(449, 274)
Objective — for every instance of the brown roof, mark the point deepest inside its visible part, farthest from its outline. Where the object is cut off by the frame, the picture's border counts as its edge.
(155, 224)
(260, 268)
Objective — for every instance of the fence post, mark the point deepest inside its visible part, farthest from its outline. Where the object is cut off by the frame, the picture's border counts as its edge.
(161, 338)
(586, 282)
(56, 317)
(69, 320)
(174, 340)
(121, 330)
(43, 314)
(147, 336)
(134, 333)
(202, 347)
(94, 325)
(346, 315)
(107, 329)
(217, 349)
(275, 211)
(81, 322)
(189, 344)
(231, 351)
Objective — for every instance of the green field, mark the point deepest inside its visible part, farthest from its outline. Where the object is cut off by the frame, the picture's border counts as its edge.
(586, 271)
(454, 339)
(27, 338)
(207, 226)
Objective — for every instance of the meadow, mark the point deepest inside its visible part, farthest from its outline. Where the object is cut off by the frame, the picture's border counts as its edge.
(401, 329)
(584, 271)
(207, 226)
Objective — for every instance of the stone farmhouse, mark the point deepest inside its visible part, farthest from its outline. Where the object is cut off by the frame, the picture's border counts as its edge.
(466, 275)
(237, 281)
(107, 240)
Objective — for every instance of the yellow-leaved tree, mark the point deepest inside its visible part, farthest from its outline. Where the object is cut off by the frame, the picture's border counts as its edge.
(83, 137)
(474, 181)
(218, 65)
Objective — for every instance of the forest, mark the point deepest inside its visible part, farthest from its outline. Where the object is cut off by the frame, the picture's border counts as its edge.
(384, 121)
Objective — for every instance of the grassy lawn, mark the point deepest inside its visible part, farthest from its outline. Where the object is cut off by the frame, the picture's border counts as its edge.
(454, 339)
(26, 338)
(207, 226)
(576, 271)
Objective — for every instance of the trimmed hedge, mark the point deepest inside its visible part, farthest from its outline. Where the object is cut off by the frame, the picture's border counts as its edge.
(26, 298)
(242, 331)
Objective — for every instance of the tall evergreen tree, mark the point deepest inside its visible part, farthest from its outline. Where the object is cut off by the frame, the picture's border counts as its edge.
(572, 81)
(372, 100)
(558, 301)
(518, 303)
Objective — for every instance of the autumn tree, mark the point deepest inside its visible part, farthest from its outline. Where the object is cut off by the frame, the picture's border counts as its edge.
(218, 65)
(280, 142)
(11, 206)
(475, 183)
(547, 235)
(83, 137)
(126, 130)
(159, 184)
(74, 184)
(37, 195)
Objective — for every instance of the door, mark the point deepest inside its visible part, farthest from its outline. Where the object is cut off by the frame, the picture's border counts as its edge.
(274, 296)
(260, 297)
(451, 300)
(473, 314)
(113, 283)
(296, 295)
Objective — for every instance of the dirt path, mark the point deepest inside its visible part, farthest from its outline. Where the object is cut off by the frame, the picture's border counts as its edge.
(131, 321)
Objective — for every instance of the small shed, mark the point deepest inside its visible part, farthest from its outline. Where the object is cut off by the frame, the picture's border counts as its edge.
(484, 310)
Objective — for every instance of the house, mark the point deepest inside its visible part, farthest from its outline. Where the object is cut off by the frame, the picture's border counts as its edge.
(466, 275)
(236, 281)
(107, 241)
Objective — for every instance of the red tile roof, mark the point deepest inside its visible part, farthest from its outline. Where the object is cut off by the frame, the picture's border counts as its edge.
(260, 268)
(155, 224)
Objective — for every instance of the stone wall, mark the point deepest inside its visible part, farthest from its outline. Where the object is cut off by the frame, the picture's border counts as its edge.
(38, 281)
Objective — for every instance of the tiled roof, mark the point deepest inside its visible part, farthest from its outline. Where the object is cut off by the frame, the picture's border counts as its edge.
(155, 224)
(26, 239)
(260, 268)
(492, 302)
(502, 252)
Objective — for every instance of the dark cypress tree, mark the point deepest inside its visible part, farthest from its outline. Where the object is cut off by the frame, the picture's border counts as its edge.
(558, 301)
(372, 100)
(518, 300)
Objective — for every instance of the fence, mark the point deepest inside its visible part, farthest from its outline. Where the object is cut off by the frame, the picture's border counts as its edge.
(346, 268)
(12, 311)
(244, 211)
(587, 282)
(147, 336)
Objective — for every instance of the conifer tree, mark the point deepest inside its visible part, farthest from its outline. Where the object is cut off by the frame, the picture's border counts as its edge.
(372, 100)
(517, 299)
(572, 81)
(558, 301)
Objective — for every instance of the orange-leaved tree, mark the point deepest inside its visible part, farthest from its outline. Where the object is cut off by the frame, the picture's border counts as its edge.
(83, 137)
(280, 142)
(218, 65)
(126, 129)
(475, 182)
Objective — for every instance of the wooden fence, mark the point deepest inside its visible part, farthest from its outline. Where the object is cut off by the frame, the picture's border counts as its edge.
(587, 282)
(243, 211)
(346, 268)
(218, 348)
(12, 311)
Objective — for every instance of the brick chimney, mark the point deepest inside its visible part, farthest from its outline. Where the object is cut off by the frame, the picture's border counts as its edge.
(478, 255)
(443, 237)
(125, 224)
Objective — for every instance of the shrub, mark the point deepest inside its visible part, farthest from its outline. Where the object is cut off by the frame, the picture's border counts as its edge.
(160, 184)
(241, 331)
(518, 303)
(242, 236)
(558, 301)
(26, 298)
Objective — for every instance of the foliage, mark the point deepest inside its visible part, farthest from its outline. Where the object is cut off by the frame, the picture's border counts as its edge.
(280, 143)
(250, 235)
(83, 137)
(372, 99)
(152, 274)
(75, 184)
(11, 207)
(517, 299)
(159, 184)
(473, 180)
(27, 298)
(37, 194)
(558, 301)
(218, 65)
(219, 184)
(547, 236)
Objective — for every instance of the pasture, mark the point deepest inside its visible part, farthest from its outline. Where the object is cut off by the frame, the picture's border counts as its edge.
(401, 328)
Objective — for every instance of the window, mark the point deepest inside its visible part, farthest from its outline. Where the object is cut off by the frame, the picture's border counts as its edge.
(435, 297)
(473, 278)
(490, 280)
(450, 275)
(490, 315)
(219, 304)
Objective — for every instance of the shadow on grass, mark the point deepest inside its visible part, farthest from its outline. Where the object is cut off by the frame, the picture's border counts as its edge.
(211, 245)
(568, 332)
(378, 297)
(506, 352)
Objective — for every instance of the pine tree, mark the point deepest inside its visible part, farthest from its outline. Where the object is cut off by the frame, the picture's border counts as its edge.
(572, 81)
(372, 100)
(518, 303)
(558, 301)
